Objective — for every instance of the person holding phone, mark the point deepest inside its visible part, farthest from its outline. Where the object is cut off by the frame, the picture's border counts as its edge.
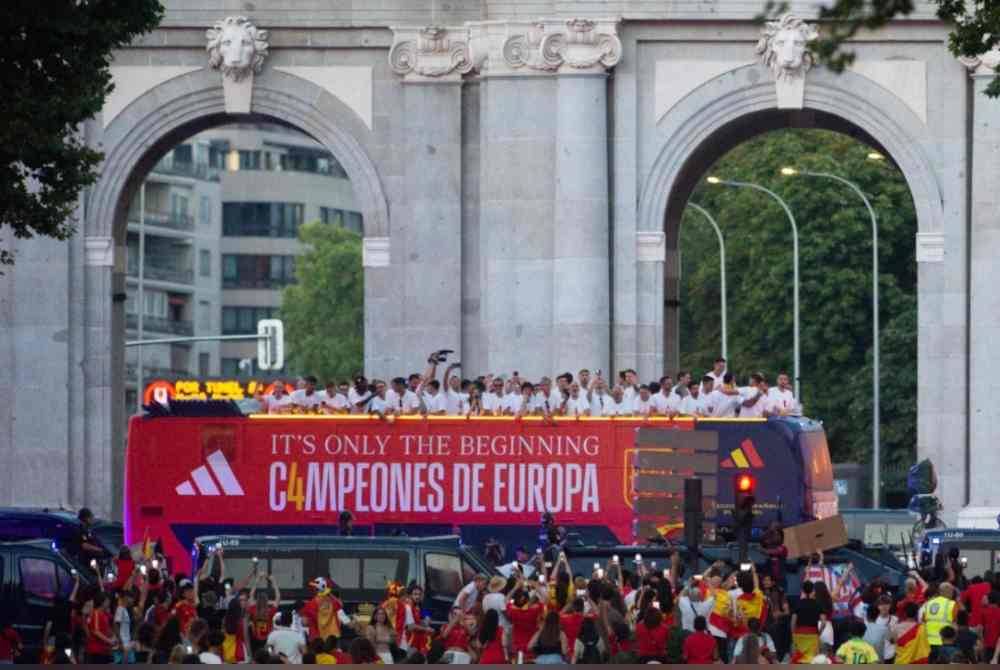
(285, 642)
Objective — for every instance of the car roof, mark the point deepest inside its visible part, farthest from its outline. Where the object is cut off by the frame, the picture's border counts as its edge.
(37, 543)
(55, 514)
(449, 541)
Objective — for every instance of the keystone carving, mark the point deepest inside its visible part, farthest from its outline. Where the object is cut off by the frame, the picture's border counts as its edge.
(784, 48)
(433, 52)
(236, 47)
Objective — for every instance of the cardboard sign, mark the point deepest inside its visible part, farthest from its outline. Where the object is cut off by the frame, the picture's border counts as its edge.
(808, 538)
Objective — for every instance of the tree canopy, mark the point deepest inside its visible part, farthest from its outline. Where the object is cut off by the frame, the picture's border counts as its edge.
(55, 74)
(836, 290)
(324, 311)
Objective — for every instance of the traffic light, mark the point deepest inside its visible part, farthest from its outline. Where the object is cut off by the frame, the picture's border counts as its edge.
(270, 344)
(744, 499)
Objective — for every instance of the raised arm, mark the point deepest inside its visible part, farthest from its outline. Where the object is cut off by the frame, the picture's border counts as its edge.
(277, 591)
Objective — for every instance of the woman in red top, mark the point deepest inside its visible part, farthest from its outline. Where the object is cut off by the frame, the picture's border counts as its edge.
(454, 634)
(699, 646)
(99, 636)
(524, 615)
(571, 620)
(492, 646)
(651, 636)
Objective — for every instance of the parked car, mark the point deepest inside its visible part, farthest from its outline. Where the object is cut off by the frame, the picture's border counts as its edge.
(35, 584)
(56, 525)
(361, 567)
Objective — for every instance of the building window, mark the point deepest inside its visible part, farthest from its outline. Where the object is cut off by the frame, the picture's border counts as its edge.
(243, 320)
(155, 304)
(249, 160)
(257, 271)
(205, 211)
(204, 316)
(204, 363)
(262, 219)
(205, 262)
(230, 367)
(130, 301)
(353, 221)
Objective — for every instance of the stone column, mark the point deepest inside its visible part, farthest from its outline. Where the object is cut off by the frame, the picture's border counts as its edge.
(545, 295)
(432, 62)
(984, 296)
(650, 254)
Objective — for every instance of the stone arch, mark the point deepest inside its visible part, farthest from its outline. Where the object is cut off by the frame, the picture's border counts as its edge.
(185, 105)
(740, 104)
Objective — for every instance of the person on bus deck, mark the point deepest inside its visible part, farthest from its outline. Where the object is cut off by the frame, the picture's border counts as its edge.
(661, 401)
(560, 393)
(455, 400)
(690, 404)
(723, 400)
(400, 399)
(278, 401)
(359, 395)
(332, 400)
(617, 404)
(783, 398)
(306, 397)
(520, 565)
(598, 393)
(377, 404)
(346, 523)
(718, 372)
(492, 399)
(577, 404)
(753, 398)
(642, 404)
(433, 399)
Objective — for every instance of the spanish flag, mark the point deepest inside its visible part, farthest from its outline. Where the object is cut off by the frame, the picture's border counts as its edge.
(721, 616)
(805, 644)
(749, 606)
(147, 545)
(912, 646)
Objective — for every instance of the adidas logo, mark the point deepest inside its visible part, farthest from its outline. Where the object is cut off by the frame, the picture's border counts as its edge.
(744, 457)
(206, 484)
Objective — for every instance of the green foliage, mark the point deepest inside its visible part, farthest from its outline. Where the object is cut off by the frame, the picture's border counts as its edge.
(324, 311)
(975, 27)
(836, 282)
(54, 74)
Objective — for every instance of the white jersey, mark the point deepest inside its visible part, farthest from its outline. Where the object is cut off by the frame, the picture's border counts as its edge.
(308, 400)
(277, 405)
(783, 401)
(491, 403)
(578, 406)
(722, 405)
(408, 403)
(690, 406)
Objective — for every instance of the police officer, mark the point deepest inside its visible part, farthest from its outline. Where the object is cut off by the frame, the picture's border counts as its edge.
(939, 612)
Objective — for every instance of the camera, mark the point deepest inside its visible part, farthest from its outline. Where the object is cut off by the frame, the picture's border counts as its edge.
(440, 356)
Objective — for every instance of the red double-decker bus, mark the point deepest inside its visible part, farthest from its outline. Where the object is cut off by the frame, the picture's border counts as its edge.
(482, 477)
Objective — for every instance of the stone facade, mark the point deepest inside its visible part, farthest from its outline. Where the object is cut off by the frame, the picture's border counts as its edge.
(522, 167)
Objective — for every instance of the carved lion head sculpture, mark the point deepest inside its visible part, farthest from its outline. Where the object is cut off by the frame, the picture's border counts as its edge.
(236, 46)
(784, 46)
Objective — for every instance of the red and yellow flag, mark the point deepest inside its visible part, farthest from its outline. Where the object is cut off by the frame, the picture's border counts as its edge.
(912, 646)
(805, 644)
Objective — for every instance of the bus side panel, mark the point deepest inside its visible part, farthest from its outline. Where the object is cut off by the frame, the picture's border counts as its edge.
(766, 450)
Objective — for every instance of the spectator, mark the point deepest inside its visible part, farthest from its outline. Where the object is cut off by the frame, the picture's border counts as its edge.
(469, 596)
(213, 655)
(382, 635)
(10, 641)
(989, 621)
(692, 604)
(234, 628)
(549, 645)
(806, 623)
(363, 652)
(168, 639)
(879, 621)
(286, 642)
(938, 613)
(948, 647)
(261, 612)
(856, 651)
(492, 640)
(456, 638)
(85, 545)
(966, 639)
(754, 648)
(651, 636)
(700, 647)
(100, 637)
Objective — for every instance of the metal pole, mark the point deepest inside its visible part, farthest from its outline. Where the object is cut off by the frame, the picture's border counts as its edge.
(141, 299)
(722, 273)
(795, 268)
(876, 377)
(196, 338)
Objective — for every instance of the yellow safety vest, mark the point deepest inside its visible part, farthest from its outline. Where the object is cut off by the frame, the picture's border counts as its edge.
(938, 613)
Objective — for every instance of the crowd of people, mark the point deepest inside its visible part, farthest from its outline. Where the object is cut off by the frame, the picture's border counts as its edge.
(533, 609)
(714, 394)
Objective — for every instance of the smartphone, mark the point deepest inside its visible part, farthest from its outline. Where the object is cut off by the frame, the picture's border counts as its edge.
(142, 569)
(93, 563)
(597, 566)
(964, 562)
(73, 572)
(697, 578)
(254, 560)
(156, 564)
(68, 652)
(745, 567)
(600, 573)
(638, 558)
(656, 604)
(614, 559)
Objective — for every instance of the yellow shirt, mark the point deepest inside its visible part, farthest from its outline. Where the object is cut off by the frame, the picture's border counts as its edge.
(325, 659)
(857, 652)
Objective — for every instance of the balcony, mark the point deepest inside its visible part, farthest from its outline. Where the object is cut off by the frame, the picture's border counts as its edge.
(154, 324)
(155, 273)
(187, 169)
(173, 220)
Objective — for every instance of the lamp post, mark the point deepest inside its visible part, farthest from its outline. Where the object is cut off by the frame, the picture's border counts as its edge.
(722, 271)
(876, 440)
(795, 266)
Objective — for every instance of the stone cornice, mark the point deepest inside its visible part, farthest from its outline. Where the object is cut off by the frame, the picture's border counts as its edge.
(515, 47)
(983, 65)
(432, 53)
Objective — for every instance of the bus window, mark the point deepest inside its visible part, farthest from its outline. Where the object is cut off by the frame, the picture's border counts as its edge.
(345, 572)
(817, 469)
(368, 573)
(379, 571)
(444, 575)
(288, 573)
(239, 567)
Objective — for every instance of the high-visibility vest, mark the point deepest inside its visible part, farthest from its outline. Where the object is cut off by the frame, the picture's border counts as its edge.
(938, 613)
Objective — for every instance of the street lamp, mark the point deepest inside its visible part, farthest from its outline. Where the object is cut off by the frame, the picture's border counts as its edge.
(722, 271)
(876, 442)
(795, 265)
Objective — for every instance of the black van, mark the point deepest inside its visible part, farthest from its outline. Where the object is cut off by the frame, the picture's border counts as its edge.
(360, 566)
(35, 584)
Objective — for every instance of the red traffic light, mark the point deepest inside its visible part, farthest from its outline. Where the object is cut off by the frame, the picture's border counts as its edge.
(744, 484)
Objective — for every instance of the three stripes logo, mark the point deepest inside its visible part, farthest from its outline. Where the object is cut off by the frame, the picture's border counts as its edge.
(205, 483)
(745, 456)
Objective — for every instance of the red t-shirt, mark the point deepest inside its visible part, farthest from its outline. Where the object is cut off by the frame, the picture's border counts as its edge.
(989, 618)
(974, 595)
(571, 624)
(917, 599)
(457, 638)
(524, 623)
(699, 648)
(262, 625)
(651, 641)
(185, 613)
(9, 640)
(493, 652)
(99, 621)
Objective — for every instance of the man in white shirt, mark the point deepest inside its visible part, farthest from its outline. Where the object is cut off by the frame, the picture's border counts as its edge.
(285, 641)
(598, 394)
(279, 401)
(307, 397)
(493, 398)
(663, 404)
(783, 398)
(456, 401)
(690, 404)
(755, 402)
(433, 398)
(520, 564)
(469, 595)
(718, 373)
(359, 395)
(331, 401)
(561, 392)
(724, 401)
(615, 405)
(630, 387)
(583, 378)
(643, 404)
(578, 405)
(378, 404)
(400, 399)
